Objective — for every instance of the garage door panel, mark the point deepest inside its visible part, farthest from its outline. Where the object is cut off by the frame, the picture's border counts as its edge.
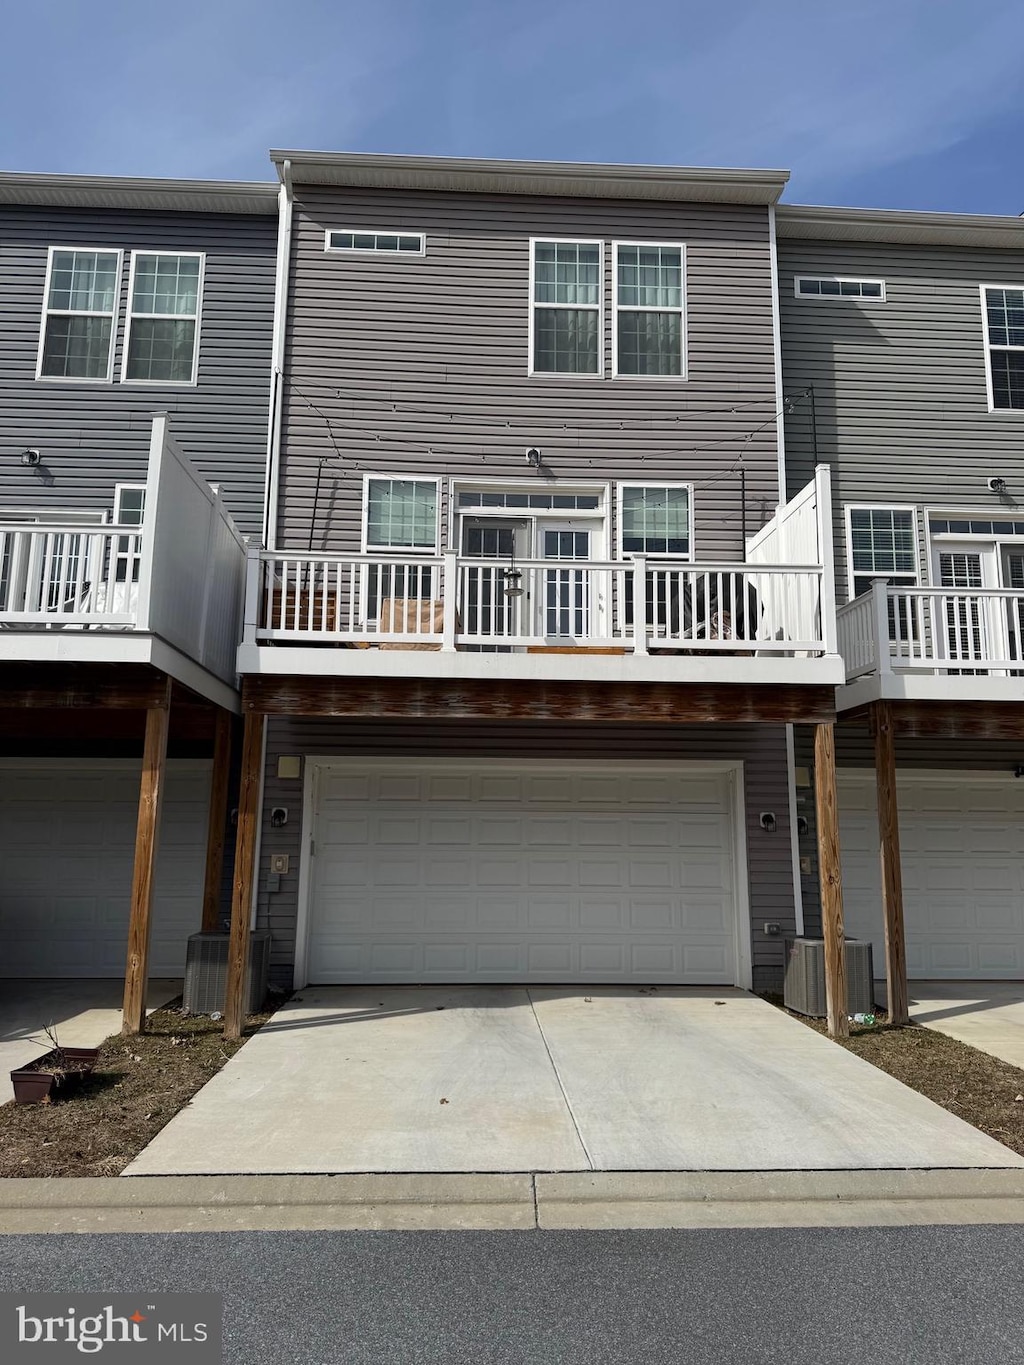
(67, 844)
(962, 846)
(517, 876)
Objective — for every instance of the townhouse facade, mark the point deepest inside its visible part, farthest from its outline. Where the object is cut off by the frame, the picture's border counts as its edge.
(510, 504)
(526, 641)
(909, 330)
(135, 326)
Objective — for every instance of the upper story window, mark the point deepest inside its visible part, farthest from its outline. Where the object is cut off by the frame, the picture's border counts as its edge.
(401, 514)
(654, 519)
(395, 243)
(1004, 338)
(79, 314)
(882, 544)
(648, 334)
(566, 308)
(163, 318)
(838, 287)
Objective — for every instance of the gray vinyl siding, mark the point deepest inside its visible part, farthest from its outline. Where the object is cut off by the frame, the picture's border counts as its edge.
(92, 434)
(855, 749)
(762, 750)
(419, 365)
(900, 406)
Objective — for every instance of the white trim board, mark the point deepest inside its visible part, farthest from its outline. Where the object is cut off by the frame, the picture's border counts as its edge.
(732, 769)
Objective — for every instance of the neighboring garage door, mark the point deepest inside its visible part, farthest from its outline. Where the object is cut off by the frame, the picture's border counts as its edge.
(492, 872)
(962, 843)
(67, 844)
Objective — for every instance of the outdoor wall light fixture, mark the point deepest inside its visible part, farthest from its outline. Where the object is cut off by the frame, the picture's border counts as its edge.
(768, 821)
(279, 816)
(997, 485)
(1019, 770)
(31, 458)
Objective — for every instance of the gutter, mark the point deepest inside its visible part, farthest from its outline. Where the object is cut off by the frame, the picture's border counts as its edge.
(285, 202)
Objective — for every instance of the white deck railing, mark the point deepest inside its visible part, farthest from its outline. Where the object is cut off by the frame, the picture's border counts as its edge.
(452, 601)
(933, 630)
(178, 576)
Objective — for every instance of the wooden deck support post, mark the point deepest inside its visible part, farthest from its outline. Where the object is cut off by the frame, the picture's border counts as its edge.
(217, 821)
(830, 876)
(245, 872)
(889, 855)
(147, 839)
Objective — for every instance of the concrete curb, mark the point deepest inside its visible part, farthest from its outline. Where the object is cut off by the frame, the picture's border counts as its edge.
(512, 1202)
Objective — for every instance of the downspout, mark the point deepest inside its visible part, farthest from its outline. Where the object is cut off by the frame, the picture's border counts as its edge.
(780, 421)
(285, 201)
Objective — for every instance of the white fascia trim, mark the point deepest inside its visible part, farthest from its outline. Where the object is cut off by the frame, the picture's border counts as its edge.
(780, 419)
(285, 206)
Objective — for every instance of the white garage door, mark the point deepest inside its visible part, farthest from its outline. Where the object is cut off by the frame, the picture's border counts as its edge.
(542, 873)
(962, 843)
(67, 843)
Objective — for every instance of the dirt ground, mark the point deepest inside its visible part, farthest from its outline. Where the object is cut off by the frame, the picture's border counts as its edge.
(981, 1089)
(138, 1086)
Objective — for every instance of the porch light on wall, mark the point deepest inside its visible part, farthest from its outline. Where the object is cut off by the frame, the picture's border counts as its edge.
(768, 821)
(279, 817)
(31, 458)
(1019, 770)
(997, 485)
(534, 457)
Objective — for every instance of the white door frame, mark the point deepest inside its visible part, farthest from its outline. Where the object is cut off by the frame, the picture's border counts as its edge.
(730, 768)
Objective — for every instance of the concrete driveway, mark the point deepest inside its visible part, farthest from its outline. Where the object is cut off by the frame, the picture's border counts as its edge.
(987, 1014)
(547, 1079)
(81, 1013)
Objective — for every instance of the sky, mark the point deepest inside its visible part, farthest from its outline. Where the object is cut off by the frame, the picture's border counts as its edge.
(888, 103)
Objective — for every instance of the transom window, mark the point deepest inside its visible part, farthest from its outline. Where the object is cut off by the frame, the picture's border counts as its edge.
(79, 314)
(569, 502)
(163, 318)
(975, 526)
(401, 514)
(883, 544)
(395, 243)
(1004, 334)
(649, 310)
(654, 519)
(838, 287)
(566, 308)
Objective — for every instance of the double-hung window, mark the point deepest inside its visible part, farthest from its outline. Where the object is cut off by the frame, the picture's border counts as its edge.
(654, 519)
(566, 308)
(400, 520)
(649, 330)
(79, 314)
(163, 318)
(1004, 336)
(883, 544)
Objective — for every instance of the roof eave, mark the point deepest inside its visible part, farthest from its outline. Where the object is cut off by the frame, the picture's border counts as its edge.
(557, 178)
(823, 223)
(120, 192)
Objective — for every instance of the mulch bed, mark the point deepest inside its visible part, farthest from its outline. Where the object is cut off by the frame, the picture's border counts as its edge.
(138, 1086)
(976, 1087)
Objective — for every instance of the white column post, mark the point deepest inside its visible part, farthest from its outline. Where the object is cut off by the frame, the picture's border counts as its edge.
(253, 586)
(450, 602)
(880, 604)
(640, 622)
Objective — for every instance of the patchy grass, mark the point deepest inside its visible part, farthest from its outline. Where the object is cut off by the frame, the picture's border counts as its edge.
(138, 1086)
(975, 1086)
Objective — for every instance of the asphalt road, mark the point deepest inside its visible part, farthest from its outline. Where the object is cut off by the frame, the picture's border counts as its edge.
(867, 1296)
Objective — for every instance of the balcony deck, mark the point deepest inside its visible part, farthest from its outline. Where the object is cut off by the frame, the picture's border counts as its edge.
(932, 644)
(166, 593)
(768, 620)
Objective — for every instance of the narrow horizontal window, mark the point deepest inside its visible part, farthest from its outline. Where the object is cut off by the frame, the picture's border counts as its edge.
(163, 319)
(941, 526)
(655, 519)
(79, 313)
(1004, 324)
(566, 308)
(649, 310)
(401, 514)
(384, 243)
(570, 502)
(839, 287)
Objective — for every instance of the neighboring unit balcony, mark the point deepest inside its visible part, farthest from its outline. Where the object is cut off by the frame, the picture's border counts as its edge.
(166, 592)
(453, 615)
(940, 644)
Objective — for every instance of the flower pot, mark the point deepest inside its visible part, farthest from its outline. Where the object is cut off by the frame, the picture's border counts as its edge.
(81, 1058)
(32, 1087)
